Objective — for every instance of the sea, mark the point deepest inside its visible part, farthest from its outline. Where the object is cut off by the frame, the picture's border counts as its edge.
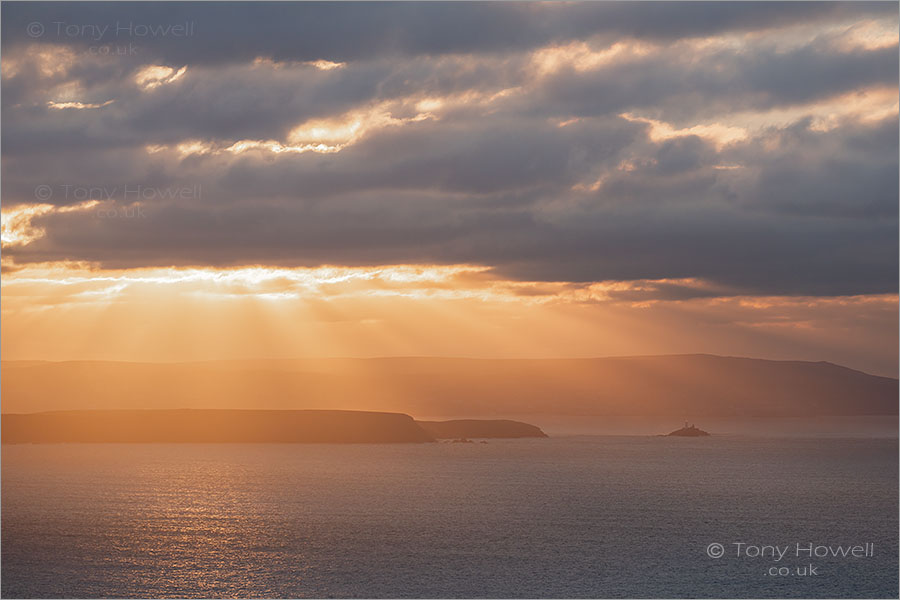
(570, 516)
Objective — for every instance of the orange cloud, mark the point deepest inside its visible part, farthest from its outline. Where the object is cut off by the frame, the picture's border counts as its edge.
(71, 311)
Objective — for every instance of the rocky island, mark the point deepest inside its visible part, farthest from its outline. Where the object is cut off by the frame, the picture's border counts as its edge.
(480, 428)
(688, 431)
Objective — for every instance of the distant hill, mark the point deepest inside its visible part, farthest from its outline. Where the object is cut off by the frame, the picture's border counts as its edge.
(480, 428)
(211, 426)
(677, 386)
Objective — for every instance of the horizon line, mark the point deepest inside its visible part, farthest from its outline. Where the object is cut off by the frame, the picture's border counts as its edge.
(434, 357)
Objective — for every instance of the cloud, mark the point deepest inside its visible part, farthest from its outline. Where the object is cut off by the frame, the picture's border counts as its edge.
(749, 145)
(359, 30)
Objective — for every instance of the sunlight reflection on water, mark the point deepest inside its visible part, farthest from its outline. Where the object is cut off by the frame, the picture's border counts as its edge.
(562, 517)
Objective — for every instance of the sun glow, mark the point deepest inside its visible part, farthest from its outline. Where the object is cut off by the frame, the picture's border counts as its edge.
(78, 105)
(17, 228)
(720, 134)
(580, 56)
(347, 129)
(62, 311)
(153, 76)
(447, 282)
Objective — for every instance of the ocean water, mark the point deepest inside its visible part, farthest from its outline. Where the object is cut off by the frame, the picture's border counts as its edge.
(577, 516)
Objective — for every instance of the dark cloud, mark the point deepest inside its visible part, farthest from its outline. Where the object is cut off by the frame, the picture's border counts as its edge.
(750, 253)
(849, 171)
(241, 31)
(684, 219)
(686, 85)
(502, 174)
(246, 102)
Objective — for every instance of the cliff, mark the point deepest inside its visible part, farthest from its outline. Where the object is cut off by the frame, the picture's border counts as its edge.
(211, 426)
(481, 428)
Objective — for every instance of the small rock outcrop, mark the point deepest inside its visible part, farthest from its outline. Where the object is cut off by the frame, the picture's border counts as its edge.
(688, 431)
(480, 428)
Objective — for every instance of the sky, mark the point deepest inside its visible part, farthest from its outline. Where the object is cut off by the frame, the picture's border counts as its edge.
(192, 181)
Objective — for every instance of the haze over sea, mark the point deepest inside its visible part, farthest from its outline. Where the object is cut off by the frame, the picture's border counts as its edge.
(568, 516)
